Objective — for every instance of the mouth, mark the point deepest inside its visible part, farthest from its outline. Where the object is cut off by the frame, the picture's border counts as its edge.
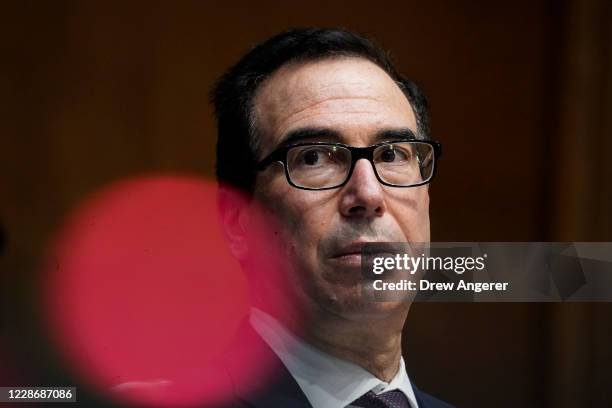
(352, 254)
(351, 250)
(349, 258)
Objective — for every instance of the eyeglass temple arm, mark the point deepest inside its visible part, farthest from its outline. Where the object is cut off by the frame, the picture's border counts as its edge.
(277, 155)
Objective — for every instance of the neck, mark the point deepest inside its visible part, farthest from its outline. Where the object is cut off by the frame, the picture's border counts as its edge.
(373, 342)
(375, 345)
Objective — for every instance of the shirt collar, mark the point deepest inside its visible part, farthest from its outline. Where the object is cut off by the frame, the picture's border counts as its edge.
(327, 381)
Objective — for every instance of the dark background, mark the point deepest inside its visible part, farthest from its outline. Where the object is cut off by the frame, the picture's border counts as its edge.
(521, 98)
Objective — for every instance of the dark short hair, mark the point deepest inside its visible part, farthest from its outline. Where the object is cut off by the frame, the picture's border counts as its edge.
(233, 94)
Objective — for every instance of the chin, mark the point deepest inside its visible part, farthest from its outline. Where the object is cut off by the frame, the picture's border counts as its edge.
(353, 306)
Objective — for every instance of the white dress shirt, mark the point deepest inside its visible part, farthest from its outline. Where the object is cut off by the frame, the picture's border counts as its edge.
(327, 381)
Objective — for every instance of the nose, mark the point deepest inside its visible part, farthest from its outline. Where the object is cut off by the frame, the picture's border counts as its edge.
(363, 195)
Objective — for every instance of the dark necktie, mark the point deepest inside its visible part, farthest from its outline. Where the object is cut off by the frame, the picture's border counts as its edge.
(389, 399)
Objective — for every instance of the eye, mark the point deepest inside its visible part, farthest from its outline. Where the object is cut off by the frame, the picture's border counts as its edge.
(393, 154)
(388, 155)
(310, 157)
(317, 160)
(316, 156)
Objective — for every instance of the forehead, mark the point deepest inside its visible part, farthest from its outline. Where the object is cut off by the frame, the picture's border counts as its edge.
(352, 96)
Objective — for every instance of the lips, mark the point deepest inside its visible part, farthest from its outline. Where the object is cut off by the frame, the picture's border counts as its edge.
(349, 250)
(356, 249)
(347, 260)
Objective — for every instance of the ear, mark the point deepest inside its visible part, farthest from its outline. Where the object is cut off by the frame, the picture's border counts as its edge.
(233, 206)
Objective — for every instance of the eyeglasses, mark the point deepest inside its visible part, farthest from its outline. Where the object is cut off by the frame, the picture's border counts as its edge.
(323, 166)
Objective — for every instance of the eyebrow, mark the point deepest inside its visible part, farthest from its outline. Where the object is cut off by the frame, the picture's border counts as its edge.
(396, 134)
(300, 135)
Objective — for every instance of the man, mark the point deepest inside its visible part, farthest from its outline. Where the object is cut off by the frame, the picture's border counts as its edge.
(322, 148)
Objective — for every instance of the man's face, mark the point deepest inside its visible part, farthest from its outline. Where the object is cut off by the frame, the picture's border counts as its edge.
(321, 231)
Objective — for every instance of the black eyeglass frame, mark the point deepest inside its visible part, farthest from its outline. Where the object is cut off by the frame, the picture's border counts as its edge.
(357, 153)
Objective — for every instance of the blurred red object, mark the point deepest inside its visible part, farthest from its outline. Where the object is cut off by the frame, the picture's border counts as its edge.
(141, 290)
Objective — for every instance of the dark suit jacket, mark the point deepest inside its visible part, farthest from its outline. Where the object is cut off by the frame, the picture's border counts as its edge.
(269, 384)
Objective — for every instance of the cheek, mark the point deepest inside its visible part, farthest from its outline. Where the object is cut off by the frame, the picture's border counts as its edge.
(307, 221)
(302, 217)
(411, 211)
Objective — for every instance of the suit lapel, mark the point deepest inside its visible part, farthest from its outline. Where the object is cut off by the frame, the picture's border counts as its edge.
(427, 401)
